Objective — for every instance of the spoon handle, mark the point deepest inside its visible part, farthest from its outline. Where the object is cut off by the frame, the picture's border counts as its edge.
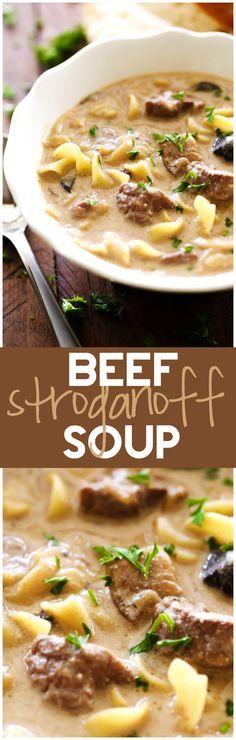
(63, 333)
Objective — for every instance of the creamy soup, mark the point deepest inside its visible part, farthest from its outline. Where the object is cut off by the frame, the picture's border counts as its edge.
(118, 587)
(140, 173)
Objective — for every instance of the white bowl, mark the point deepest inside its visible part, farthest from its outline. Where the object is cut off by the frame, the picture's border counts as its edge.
(60, 88)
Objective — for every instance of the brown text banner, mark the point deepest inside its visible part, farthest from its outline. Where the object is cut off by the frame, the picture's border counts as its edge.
(117, 407)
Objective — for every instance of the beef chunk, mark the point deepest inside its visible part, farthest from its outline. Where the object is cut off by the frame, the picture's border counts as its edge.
(136, 596)
(167, 106)
(68, 676)
(224, 147)
(211, 633)
(206, 86)
(175, 160)
(218, 183)
(179, 257)
(112, 496)
(217, 571)
(139, 204)
(92, 205)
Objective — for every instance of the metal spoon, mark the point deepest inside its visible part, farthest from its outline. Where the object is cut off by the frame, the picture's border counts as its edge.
(14, 226)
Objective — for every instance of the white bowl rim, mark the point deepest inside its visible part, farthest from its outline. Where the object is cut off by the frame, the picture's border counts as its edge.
(56, 235)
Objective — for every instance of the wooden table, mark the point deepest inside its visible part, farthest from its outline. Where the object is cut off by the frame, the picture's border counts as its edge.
(149, 318)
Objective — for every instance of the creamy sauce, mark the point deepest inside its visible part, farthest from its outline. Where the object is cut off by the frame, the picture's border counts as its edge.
(23, 704)
(106, 115)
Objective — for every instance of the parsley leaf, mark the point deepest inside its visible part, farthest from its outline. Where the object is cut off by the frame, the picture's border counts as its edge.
(151, 638)
(198, 513)
(133, 154)
(106, 303)
(188, 249)
(58, 561)
(228, 222)
(214, 545)
(92, 596)
(177, 139)
(176, 242)
(229, 707)
(170, 549)
(141, 682)
(178, 95)
(107, 580)
(61, 47)
(57, 583)
(79, 640)
(143, 185)
(224, 728)
(142, 477)
(76, 303)
(228, 482)
(93, 130)
(8, 92)
(50, 537)
(211, 473)
(9, 16)
(210, 114)
(186, 185)
(132, 554)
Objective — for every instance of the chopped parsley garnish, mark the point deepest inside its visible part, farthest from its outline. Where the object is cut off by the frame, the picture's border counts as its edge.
(225, 233)
(57, 583)
(214, 545)
(177, 139)
(50, 279)
(218, 92)
(210, 114)
(107, 304)
(93, 130)
(8, 92)
(50, 537)
(133, 154)
(224, 728)
(152, 160)
(229, 707)
(141, 682)
(188, 249)
(178, 95)
(107, 580)
(58, 561)
(92, 596)
(7, 257)
(228, 222)
(198, 513)
(198, 333)
(143, 185)
(179, 209)
(151, 638)
(228, 482)
(170, 549)
(142, 477)
(79, 640)
(9, 111)
(211, 473)
(132, 554)
(9, 16)
(186, 185)
(61, 47)
(76, 303)
(176, 242)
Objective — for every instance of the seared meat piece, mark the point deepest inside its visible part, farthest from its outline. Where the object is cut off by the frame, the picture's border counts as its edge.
(112, 497)
(167, 106)
(68, 676)
(206, 86)
(219, 183)
(136, 596)
(93, 205)
(224, 147)
(211, 633)
(179, 257)
(139, 204)
(217, 571)
(175, 160)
